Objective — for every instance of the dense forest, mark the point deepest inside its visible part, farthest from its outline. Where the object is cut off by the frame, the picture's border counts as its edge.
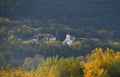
(20, 20)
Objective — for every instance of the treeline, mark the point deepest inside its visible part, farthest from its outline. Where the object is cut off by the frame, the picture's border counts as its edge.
(98, 63)
(25, 28)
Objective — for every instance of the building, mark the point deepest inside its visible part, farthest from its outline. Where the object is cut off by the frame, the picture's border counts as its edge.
(39, 37)
(91, 39)
(69, 39)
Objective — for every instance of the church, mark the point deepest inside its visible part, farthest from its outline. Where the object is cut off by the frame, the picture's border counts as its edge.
(69, 39)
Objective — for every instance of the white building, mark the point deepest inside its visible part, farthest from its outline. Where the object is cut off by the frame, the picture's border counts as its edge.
(69, 39)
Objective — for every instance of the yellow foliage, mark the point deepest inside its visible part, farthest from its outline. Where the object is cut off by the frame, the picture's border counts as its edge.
(76, 45)
(26, 42)
(11, 37)
(100, 72)
(102, 31)
(7, 20)
(18, 30)
(52, 43)
(98, 64)
(102, 63)
(16, 73)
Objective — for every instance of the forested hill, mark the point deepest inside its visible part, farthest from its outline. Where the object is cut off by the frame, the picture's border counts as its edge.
(20, 20)
(97, 14)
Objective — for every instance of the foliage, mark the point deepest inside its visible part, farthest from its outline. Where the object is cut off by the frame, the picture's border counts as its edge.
(97, 64)
(20, 72)
(16, 44)
(54, 67)
(102, 64)
(30, 63)
(20, 20)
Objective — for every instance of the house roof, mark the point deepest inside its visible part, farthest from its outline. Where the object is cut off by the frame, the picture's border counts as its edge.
(43, 34)
(72, 36)
(93, 39)
(81, 38)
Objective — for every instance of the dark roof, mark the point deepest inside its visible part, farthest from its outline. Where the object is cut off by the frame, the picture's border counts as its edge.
(72, 36)
(44, 35)
(93, 39)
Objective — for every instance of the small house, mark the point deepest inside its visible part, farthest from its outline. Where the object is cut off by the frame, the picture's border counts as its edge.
(40, 36)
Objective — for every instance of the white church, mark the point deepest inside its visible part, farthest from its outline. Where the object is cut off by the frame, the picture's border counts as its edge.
(69, 39)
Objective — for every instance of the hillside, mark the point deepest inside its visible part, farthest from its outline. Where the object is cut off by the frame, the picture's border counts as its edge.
(20, 20)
